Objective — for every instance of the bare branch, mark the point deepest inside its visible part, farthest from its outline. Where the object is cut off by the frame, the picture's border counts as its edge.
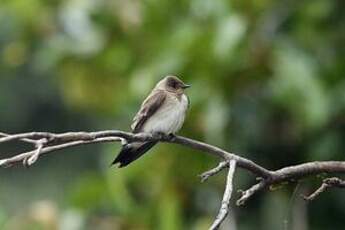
(241, 161)
(224, 209)
(45, 142)
(54, 139)
(21, 157)
(33, 158)
(247, 194)
(306, 169)
(22, 139)
(71, 136)
(326, 183)
(204, 176)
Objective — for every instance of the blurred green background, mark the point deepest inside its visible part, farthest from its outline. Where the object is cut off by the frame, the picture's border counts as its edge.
(268, 83)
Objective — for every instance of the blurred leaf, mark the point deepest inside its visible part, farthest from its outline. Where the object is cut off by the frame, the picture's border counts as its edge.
(297, 86)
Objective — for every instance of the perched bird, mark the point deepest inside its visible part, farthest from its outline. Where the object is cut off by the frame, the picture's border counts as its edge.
(162, 112)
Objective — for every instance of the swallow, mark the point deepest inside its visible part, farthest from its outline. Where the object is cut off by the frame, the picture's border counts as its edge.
(163, 112)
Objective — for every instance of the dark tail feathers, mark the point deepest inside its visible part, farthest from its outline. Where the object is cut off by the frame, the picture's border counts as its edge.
(132, 151)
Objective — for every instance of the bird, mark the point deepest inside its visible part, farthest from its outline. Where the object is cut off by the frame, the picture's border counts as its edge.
(162, 113)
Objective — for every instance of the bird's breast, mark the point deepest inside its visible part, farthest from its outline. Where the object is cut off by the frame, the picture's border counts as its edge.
(169, 117)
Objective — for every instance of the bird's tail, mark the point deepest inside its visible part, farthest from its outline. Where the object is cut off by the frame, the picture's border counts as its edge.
(132, 151)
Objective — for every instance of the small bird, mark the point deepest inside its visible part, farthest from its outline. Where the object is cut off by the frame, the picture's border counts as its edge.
(162, 112)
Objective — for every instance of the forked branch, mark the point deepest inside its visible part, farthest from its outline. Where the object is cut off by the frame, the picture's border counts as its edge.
(332, 182)
(45, 142)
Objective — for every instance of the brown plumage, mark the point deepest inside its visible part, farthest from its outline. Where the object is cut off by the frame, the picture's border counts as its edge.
(163, 111)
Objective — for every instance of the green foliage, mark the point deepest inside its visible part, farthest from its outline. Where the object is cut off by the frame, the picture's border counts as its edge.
(268, 83)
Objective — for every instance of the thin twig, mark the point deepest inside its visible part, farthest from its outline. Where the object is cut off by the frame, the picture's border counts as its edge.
(33, 158)
(247, 194)
(224, 209)
(326, 183)
(18, 158)
(22, 139)
(204, 176)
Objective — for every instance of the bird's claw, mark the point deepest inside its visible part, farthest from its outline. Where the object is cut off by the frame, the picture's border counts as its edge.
(171, 137)
(163, 136)
(158, 136)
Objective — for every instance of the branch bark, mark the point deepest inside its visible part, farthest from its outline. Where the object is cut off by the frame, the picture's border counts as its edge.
(333, 182)
(46, 142)
(224, 209)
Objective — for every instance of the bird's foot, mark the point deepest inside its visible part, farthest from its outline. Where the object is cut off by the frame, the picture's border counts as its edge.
(171, 137)
(159, 136)
(163, 137)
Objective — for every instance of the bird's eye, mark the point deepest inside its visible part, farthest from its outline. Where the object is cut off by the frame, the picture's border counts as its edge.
(174, 85)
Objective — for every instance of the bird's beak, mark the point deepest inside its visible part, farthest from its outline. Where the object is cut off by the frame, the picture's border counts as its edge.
(185, 86)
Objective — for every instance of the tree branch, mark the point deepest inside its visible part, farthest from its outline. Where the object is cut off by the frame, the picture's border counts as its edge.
(46, 142)
(247, 194)
(204, 176)
(224, 209)
(333, 182)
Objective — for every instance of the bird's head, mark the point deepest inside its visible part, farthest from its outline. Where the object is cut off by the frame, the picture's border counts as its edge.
(172, 84)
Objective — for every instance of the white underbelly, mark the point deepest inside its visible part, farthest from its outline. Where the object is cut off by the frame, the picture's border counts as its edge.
(169, 118)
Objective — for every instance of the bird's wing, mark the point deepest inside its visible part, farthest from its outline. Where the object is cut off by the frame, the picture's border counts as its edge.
(147, 109)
